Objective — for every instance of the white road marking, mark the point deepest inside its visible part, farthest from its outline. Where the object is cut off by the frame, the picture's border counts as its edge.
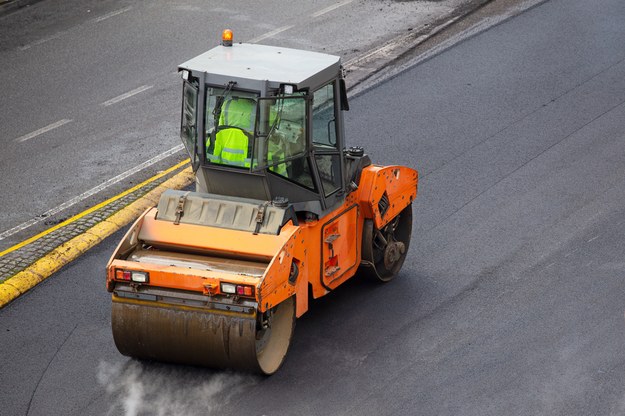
(59, 34)
(111, 14)
(593, 239)
(90, 192)
(285, 28)
(330, 8)
(42, 40)
(42, 130)
(270, 34)
(126, 95)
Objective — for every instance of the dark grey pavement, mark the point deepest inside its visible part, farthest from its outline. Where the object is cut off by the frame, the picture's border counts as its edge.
(511, 301)
(90, 88)
(66, 59)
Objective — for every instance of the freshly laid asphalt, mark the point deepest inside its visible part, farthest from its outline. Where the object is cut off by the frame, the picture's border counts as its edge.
(511, 300)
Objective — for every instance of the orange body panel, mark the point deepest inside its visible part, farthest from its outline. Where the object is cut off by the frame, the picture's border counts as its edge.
(319, 254)
(201, 238)
(398, 182)
(340, 247)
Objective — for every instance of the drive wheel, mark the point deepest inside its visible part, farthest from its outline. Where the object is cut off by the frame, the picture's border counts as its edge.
(384, 250)
(273, 336)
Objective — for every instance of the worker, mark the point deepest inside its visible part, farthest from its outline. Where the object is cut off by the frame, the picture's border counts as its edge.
(231, 143)
(275, 153)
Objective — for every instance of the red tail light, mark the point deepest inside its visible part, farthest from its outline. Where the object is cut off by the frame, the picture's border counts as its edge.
(245, 290)
(132, 276)
(239, 290)
(123, 275)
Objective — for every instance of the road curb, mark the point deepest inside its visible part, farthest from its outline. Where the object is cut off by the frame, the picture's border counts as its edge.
(67, 252)
(362, 68)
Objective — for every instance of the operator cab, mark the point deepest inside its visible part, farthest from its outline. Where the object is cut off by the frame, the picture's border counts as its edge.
(266, 123)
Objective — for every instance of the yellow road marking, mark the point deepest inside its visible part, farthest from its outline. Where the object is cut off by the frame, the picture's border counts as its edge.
(43, 268)
(92, 209)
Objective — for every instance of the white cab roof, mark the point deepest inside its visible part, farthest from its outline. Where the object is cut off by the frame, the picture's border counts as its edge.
(266, 63)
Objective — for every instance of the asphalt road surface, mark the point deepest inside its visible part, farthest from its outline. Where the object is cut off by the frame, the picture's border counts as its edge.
(90, 88)
(511, 301)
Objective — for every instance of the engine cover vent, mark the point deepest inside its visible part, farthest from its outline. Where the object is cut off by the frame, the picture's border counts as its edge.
(383, 204)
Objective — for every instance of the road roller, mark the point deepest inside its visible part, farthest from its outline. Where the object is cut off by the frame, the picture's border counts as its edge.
(281, 211)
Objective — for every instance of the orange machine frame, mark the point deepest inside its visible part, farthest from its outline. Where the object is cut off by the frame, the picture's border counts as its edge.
(321, 253)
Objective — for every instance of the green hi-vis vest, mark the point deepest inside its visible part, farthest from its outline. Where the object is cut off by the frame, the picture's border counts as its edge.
(275, 153)
(232, 140)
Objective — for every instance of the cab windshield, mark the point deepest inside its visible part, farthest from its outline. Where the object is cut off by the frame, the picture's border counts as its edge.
(230, 124)
(245, 131)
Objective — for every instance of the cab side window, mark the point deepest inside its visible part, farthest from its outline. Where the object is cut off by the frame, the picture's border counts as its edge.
(327, 155)
(188, 126)
(324, 125)
(329, 172)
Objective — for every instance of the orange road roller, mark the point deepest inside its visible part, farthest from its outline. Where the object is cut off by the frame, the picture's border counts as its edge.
(216, 277)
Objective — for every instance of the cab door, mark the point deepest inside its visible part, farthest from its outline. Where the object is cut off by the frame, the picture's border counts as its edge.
(340, 250)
